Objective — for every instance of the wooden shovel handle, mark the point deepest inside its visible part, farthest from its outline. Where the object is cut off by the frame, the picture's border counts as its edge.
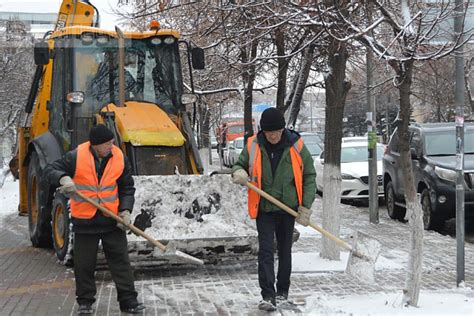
(120, 220)
(287, 209)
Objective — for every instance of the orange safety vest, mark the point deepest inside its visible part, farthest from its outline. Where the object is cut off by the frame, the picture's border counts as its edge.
(255, 172)
(85, 178)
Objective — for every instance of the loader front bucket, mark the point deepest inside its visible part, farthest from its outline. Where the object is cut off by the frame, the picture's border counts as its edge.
(203, 216)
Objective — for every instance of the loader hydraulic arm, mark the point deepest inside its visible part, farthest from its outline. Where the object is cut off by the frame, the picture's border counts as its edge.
(76, 12)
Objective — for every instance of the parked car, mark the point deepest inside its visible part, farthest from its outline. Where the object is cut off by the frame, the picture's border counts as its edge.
(312, 138)
(225, 154)
(213, 141)
(314, 149)
(354, 171)
(354, 139)
(433, 154)
(235, 149)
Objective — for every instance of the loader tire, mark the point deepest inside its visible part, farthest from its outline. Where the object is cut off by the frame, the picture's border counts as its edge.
(61, 227)
(39, 226)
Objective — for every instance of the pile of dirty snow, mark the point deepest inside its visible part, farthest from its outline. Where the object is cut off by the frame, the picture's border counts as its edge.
(191, 206)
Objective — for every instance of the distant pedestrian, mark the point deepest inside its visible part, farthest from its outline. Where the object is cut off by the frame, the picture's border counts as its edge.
(283, 169)
(99, 170)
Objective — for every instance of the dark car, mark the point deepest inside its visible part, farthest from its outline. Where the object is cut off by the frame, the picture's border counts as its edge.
(433, 154)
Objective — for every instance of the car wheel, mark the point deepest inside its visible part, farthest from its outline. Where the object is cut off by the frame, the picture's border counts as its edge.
(431, 221)
(394, 211)
(38, 221)
(60, 223)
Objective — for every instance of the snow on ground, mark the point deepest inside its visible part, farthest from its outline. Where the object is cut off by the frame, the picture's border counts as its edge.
(9, 197)
(312, 262)
(443, 302)
(447, 302)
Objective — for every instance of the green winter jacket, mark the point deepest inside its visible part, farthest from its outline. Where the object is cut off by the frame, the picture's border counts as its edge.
(282, 185)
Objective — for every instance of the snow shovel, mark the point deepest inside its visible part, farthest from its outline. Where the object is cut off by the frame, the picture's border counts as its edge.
(362, 255)
(168, 250)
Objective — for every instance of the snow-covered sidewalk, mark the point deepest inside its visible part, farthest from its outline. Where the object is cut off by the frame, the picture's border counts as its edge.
(233, 289)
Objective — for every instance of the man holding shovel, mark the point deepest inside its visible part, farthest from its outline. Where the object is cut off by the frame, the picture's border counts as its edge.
(280, 164)
(99, 170)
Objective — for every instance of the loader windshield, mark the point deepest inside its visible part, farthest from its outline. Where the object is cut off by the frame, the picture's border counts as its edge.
(152, 73)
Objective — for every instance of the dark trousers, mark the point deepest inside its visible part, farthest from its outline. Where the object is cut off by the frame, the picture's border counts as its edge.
(269, 225)
(114, 244)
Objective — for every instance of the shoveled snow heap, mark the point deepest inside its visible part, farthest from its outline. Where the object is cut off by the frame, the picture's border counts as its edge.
(192, 206)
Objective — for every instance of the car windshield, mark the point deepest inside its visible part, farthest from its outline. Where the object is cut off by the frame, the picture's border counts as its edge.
(239, 143)
(442, 143)
(311, 138)
(236, 129)
(152, 73)
(358, 154)
(314, 149)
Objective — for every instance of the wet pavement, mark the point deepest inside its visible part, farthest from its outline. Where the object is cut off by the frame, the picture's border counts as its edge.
(33, 283)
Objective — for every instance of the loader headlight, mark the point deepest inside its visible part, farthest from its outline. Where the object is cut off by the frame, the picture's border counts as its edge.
(169, 40)
(188, 98)
(102, 39)
(76, 97)
(446, 174)
(87, 38)
(156, 41)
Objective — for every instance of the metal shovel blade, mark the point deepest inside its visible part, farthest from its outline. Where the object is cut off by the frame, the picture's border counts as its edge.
(362, 258)
(175, 255)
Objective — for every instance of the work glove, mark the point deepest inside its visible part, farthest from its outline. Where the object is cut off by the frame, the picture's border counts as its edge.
(67, 187)
(125, 215)
(304, 215)
(240, 176)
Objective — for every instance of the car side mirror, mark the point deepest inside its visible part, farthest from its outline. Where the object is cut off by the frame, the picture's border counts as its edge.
(198, 60)
(41, 53)
(414, 154)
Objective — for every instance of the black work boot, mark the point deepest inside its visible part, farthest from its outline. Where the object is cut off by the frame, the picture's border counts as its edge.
(134, 308)
(85, 309)
(281, 298)
(267, 304)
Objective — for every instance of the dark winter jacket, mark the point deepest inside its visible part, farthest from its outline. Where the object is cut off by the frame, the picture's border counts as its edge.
(66, 166)
(277, 172)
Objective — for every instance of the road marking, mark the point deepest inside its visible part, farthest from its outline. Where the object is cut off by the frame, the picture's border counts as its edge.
(33, 288)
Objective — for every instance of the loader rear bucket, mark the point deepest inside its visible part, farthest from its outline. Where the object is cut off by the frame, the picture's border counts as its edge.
(205, 217)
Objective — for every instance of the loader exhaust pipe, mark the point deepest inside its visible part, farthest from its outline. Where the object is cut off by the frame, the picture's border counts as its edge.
(121, 66)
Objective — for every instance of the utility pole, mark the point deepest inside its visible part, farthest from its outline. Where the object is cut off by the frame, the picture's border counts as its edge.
(372, 138)
(459, 97)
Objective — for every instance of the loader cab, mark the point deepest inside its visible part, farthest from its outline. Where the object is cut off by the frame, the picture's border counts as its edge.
(88, 63)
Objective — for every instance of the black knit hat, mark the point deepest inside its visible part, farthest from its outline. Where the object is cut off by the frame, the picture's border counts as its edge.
(100, 134)
(272, 119)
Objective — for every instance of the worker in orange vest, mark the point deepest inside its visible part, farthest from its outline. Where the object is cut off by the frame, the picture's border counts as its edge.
(99, 170)
(279, 163)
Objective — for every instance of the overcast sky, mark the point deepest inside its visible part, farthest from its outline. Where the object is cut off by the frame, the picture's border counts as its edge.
(108, 20)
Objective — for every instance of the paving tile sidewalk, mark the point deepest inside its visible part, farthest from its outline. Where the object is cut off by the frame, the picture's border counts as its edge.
(33, 283)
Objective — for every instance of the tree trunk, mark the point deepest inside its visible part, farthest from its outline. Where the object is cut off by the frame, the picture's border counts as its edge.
(204, 123)
(337, 88)
(414, 211)
(302, 79)
(282, 69)
(248, 77)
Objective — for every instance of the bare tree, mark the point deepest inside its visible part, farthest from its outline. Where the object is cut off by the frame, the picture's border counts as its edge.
(16, 72)
(413, 28)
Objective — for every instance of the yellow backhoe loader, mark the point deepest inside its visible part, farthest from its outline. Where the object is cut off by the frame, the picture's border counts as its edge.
(133, 83)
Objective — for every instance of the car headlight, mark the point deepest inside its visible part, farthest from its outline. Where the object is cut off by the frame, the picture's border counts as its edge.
(446, 174)
(346, 176)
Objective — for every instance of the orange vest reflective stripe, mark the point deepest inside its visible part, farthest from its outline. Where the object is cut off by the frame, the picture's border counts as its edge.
(255, 172)
(85, 178)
